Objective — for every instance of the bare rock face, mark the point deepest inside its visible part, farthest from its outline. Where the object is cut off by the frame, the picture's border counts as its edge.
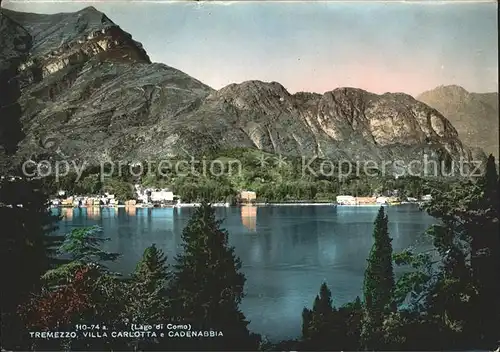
(474, 115)
(14, 45)
(90, 89)
(346, 123)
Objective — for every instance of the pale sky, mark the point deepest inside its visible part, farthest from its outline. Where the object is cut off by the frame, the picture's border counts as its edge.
(313, 46)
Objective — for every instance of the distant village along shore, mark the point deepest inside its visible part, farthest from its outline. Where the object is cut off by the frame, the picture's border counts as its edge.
(164, 197)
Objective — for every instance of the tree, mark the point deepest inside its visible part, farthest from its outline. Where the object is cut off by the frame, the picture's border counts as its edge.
(90, 184)
(148, 288)
(379, 285)
(485, 246)
(328, 328)
(26, 245)
(122, 190)
(317, 323)
(26, 222)
(81, 247)
(148, 300)
(79, 291)
(350, 317)
(207, 285)
(467, 240)
(88, 297)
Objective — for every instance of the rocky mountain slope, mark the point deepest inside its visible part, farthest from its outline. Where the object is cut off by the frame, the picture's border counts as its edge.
(14, 44)
(89, 91)
(474, 115)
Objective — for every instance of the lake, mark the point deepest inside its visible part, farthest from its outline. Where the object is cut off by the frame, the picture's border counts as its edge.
(287, 251)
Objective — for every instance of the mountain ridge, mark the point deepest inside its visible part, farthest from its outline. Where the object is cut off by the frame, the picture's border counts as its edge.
(474, 115)
(99, 96)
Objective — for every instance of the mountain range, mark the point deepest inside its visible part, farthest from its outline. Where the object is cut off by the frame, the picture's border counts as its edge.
(84, 89)
(474, 115)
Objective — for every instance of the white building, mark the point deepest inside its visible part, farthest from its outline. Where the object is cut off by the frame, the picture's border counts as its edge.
(427, 198)
(143, 198)
(382, 200)
(163, 195)
(346, 200)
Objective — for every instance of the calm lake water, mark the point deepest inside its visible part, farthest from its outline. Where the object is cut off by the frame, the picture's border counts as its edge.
(287, 251)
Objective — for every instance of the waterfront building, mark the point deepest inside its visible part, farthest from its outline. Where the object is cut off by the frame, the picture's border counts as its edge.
(365, 200)
(162, 195)
(247, 196)
(346, 200)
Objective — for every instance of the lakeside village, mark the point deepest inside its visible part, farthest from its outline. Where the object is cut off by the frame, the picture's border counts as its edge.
(152, 198)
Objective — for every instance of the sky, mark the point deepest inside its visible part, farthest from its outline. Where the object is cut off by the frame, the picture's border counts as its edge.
(313, 46)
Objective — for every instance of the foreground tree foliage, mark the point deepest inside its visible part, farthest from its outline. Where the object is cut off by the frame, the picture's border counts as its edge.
(78, 291)
(147, 295)
(80, 248)
(26, 242)
(207, 285)
(468, 241)
(328, 328)
(87, 298)
(25, 248)
(378, 287)
(149, 284)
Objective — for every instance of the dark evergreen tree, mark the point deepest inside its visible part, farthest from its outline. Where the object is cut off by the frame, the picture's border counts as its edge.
(147, 299)
(25, 247)
(79, 291)
(89, 297)
(317, 323)
(207, 285)
(80, 248)
(148, 288)
(467, 239)
(379, 284)
(349, 317)
(325, 327)
(483, 229)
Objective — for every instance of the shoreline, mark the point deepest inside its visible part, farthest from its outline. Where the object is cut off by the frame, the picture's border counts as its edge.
(286, 204)
(227, 205)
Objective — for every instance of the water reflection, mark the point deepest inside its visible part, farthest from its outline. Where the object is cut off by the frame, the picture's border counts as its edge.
(130, 210)
(94, 212)
(249, 217)
(67, 213)
(107, 213)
